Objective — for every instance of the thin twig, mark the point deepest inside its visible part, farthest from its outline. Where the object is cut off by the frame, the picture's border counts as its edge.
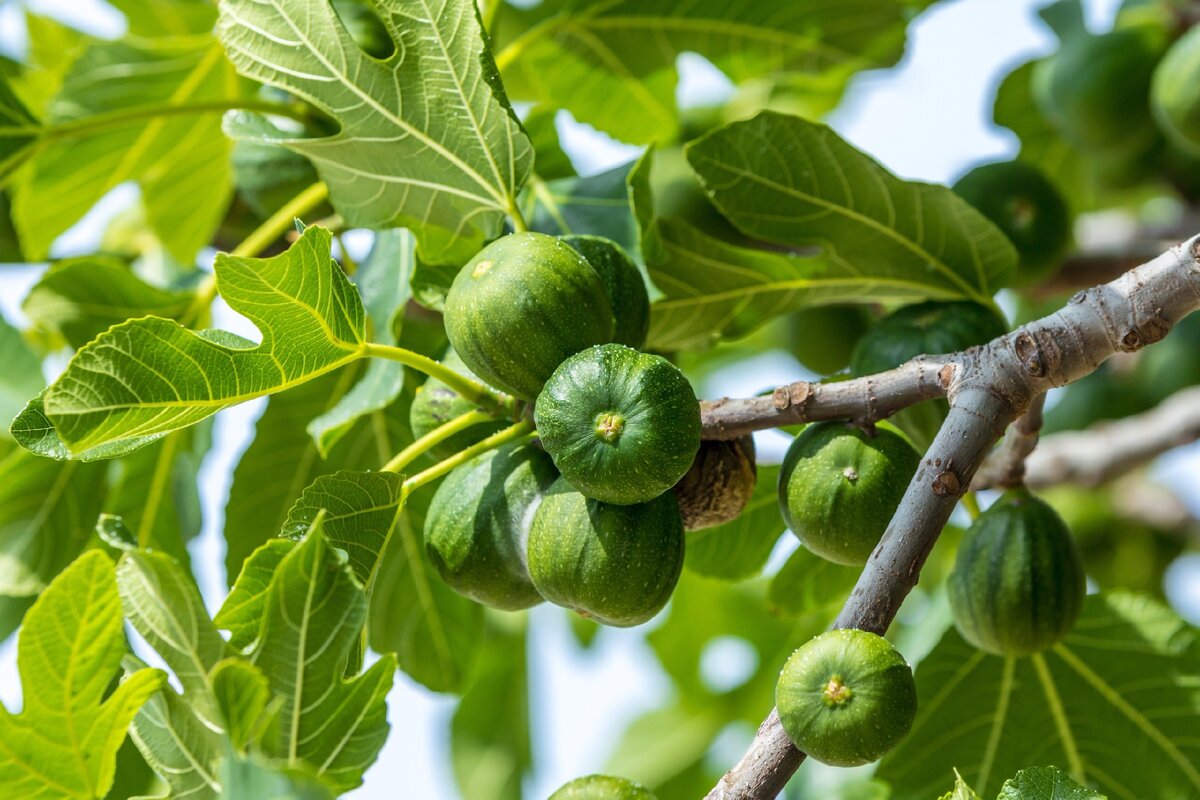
(864, 400)
(1110, 449)
(1006, 466)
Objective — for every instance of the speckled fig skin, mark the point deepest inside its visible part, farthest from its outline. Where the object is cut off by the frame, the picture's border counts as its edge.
(846, 697)
(622, 426)
(602, 787)
(521, 306)
(478, 524)
(1018, 583)
(839, 487)
(719, 483)
(435, 404)
(622, 282)
(615, 564)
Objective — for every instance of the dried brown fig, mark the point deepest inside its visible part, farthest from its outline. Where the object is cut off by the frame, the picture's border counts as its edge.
(719, 483)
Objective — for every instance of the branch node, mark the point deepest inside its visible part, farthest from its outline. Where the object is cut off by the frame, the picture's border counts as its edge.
(946, 484)
(791, 395)
(946, 376)
(1030, 354)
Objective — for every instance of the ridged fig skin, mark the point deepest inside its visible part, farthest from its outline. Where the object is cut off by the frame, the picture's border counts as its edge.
(846, 697)
(719, 483)
(521, 306)
(622, 282)
(435, 404)
(615, 564)
(839, 487)
(1018, 583)
(602, 787)
(478, 525)
(659, 427)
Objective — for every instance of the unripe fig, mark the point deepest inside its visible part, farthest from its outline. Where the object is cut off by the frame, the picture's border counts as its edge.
(1027, 208)
(478, 525)
(521, 306)
(719, 483)
(622, 426)
(846, 697)
(1018, 582)
(602, 787)
(623, 284)
(615, 564)
(839, 487)
(1175, 92)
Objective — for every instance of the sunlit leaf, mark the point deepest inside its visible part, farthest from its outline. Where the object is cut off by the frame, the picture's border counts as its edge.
(311, 616)
(1045, 783)
(47, 512)
(65, 740)
(612, 62)
(162, 604)
(179, 747)
(180, 161)
(19, 131)
(167, 17)
(433, 630)
(80, 298)
(241, 613)
(383, 282)
(1125, 681)
(427, 140)
(145, 378)
(961, 790)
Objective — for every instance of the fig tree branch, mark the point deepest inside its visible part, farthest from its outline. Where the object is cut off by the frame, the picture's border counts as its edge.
(867, 400)
(988, 388)
(1006, 466)
(1109, 449)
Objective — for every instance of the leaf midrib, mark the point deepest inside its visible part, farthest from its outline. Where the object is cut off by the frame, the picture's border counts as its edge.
(862, 219)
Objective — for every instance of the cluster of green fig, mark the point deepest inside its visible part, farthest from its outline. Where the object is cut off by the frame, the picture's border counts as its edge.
(847, 696)
(584, 517)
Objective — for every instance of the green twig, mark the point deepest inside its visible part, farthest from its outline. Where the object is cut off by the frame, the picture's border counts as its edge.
(970, 502)
(513, 433)
(434, 438)
(470, 390)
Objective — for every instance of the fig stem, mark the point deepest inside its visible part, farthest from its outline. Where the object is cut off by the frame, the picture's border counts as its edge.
(513, 433)
(970, 502)
(470, 390)
(434, 438)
